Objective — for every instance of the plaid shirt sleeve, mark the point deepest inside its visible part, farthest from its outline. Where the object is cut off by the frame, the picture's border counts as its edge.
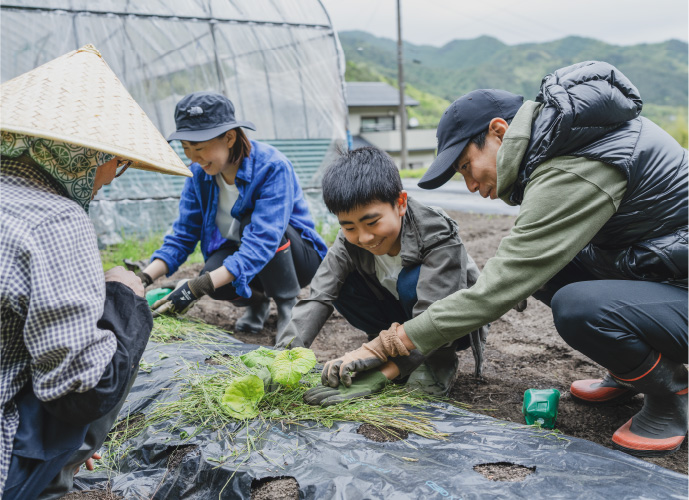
(68, 352)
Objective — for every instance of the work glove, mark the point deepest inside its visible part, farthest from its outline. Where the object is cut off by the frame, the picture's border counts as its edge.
(364, 384)
(521, 306)
(184, 296)
(138, 267)
(370, 355)
(146, 280)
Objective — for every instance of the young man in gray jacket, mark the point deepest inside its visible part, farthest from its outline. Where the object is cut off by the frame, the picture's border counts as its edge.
(392, 259)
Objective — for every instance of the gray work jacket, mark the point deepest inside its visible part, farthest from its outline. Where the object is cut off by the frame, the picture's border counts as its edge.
(428, 237)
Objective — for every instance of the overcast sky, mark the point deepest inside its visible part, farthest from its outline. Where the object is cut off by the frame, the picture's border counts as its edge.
(436, 22)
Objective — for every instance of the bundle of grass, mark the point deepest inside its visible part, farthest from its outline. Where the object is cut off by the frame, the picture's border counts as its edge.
(263, 389)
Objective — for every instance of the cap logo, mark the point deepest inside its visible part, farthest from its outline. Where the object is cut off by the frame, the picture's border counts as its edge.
(195, 111)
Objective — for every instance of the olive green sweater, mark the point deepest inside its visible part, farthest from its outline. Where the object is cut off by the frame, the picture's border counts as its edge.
(567, 201)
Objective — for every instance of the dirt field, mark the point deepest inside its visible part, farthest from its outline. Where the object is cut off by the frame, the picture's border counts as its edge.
(524, 351)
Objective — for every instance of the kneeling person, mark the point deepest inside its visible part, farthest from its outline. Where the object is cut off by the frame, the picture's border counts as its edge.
(392, 259)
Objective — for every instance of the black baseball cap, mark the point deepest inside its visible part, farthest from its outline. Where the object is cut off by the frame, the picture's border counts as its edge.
(201, 116)
(465, 118)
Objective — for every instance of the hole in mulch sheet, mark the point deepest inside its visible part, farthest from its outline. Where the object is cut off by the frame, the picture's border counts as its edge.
(214, 359)
(178, 453)
(504, 471)
(92, 495)
(275, 488)
(383, 434)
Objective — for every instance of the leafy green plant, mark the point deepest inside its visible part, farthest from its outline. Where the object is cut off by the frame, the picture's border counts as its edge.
(242, 397)
(259, 357)
(289, 366)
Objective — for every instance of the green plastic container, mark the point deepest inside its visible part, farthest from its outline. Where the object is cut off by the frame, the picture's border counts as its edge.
(153, 296)
(540, 407)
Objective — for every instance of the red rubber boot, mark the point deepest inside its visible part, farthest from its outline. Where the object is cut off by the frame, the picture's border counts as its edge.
(600, 392)
(659, 428)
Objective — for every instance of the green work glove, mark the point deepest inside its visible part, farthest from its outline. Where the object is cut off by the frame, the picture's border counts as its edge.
(364, 384)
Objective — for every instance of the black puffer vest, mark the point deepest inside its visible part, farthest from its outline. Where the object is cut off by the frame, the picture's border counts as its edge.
(591, 110)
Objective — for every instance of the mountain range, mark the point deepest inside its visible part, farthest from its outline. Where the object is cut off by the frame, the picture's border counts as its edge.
(438, 75)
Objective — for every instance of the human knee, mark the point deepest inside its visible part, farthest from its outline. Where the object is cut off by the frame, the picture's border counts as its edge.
(573, 309)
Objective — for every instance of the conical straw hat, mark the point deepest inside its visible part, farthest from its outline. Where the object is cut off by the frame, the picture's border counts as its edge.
(77, 99)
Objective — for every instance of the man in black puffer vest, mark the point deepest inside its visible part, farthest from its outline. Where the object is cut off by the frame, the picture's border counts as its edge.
(601, 236)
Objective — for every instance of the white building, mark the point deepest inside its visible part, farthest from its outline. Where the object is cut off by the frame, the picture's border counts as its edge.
(374, 120)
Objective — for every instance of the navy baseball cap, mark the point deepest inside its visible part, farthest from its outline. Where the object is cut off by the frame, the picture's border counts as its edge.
(465, 118)
(201, 116)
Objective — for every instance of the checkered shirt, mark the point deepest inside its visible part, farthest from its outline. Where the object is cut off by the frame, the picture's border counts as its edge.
(52, 291)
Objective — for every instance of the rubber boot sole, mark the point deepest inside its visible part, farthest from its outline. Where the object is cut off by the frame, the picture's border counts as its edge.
(652, 447)
(646, 453)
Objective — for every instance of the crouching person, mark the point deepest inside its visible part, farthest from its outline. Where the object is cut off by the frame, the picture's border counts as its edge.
(71, 338)
(245, 206)
(392, 259)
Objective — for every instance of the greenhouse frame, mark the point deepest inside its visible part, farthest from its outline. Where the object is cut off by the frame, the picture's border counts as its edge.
(280, 62)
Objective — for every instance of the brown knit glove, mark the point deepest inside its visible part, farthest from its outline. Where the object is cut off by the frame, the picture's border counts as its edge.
(370, 355)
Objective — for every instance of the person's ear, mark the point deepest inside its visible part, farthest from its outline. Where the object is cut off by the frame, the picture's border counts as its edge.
(231, 137)
(402, 203)
(498, 127)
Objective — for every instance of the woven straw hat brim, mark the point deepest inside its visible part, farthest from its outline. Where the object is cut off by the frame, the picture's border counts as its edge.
(77, 99)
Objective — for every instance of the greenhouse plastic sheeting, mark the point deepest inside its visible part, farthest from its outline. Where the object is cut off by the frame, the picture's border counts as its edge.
(280, 62)
(339, 463)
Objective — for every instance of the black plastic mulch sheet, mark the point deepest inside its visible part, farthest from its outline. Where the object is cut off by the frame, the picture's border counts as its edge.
(339, 463)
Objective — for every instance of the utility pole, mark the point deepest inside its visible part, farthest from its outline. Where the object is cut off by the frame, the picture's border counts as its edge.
(400, 83)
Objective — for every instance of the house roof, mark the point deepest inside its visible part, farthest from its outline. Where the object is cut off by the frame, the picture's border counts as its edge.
(360, 142)
(375, 94)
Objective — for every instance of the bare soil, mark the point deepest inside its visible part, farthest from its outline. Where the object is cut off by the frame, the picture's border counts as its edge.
(92, 495)
(386, 434)
(523, 352)
(504, 471)
(275, 488)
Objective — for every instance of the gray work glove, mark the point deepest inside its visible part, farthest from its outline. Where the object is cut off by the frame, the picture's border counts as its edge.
(364, 384)
(521, 306)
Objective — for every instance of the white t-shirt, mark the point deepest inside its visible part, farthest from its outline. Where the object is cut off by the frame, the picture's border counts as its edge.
(227, 196)
(387, 270)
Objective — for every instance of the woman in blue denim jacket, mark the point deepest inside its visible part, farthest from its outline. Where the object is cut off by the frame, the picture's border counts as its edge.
(244, 204)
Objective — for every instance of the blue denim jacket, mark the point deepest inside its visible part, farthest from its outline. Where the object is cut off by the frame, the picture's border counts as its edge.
(268, 190)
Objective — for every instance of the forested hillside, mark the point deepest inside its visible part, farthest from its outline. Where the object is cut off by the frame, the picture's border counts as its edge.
(437, 75)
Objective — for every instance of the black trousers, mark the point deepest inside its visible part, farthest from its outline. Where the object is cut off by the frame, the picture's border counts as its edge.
(363, 310)
(291, 269)
(617, 323)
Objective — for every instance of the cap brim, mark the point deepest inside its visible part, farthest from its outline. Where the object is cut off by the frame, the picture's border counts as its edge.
(207, 134)
(441, 169)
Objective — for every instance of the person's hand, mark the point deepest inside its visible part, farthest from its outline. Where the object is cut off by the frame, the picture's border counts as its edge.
(125, 277)
(146, 280)
(364, 384)
(89, 463)
(184, 296)
(521, 306)
(139, 266)
(370, 355)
